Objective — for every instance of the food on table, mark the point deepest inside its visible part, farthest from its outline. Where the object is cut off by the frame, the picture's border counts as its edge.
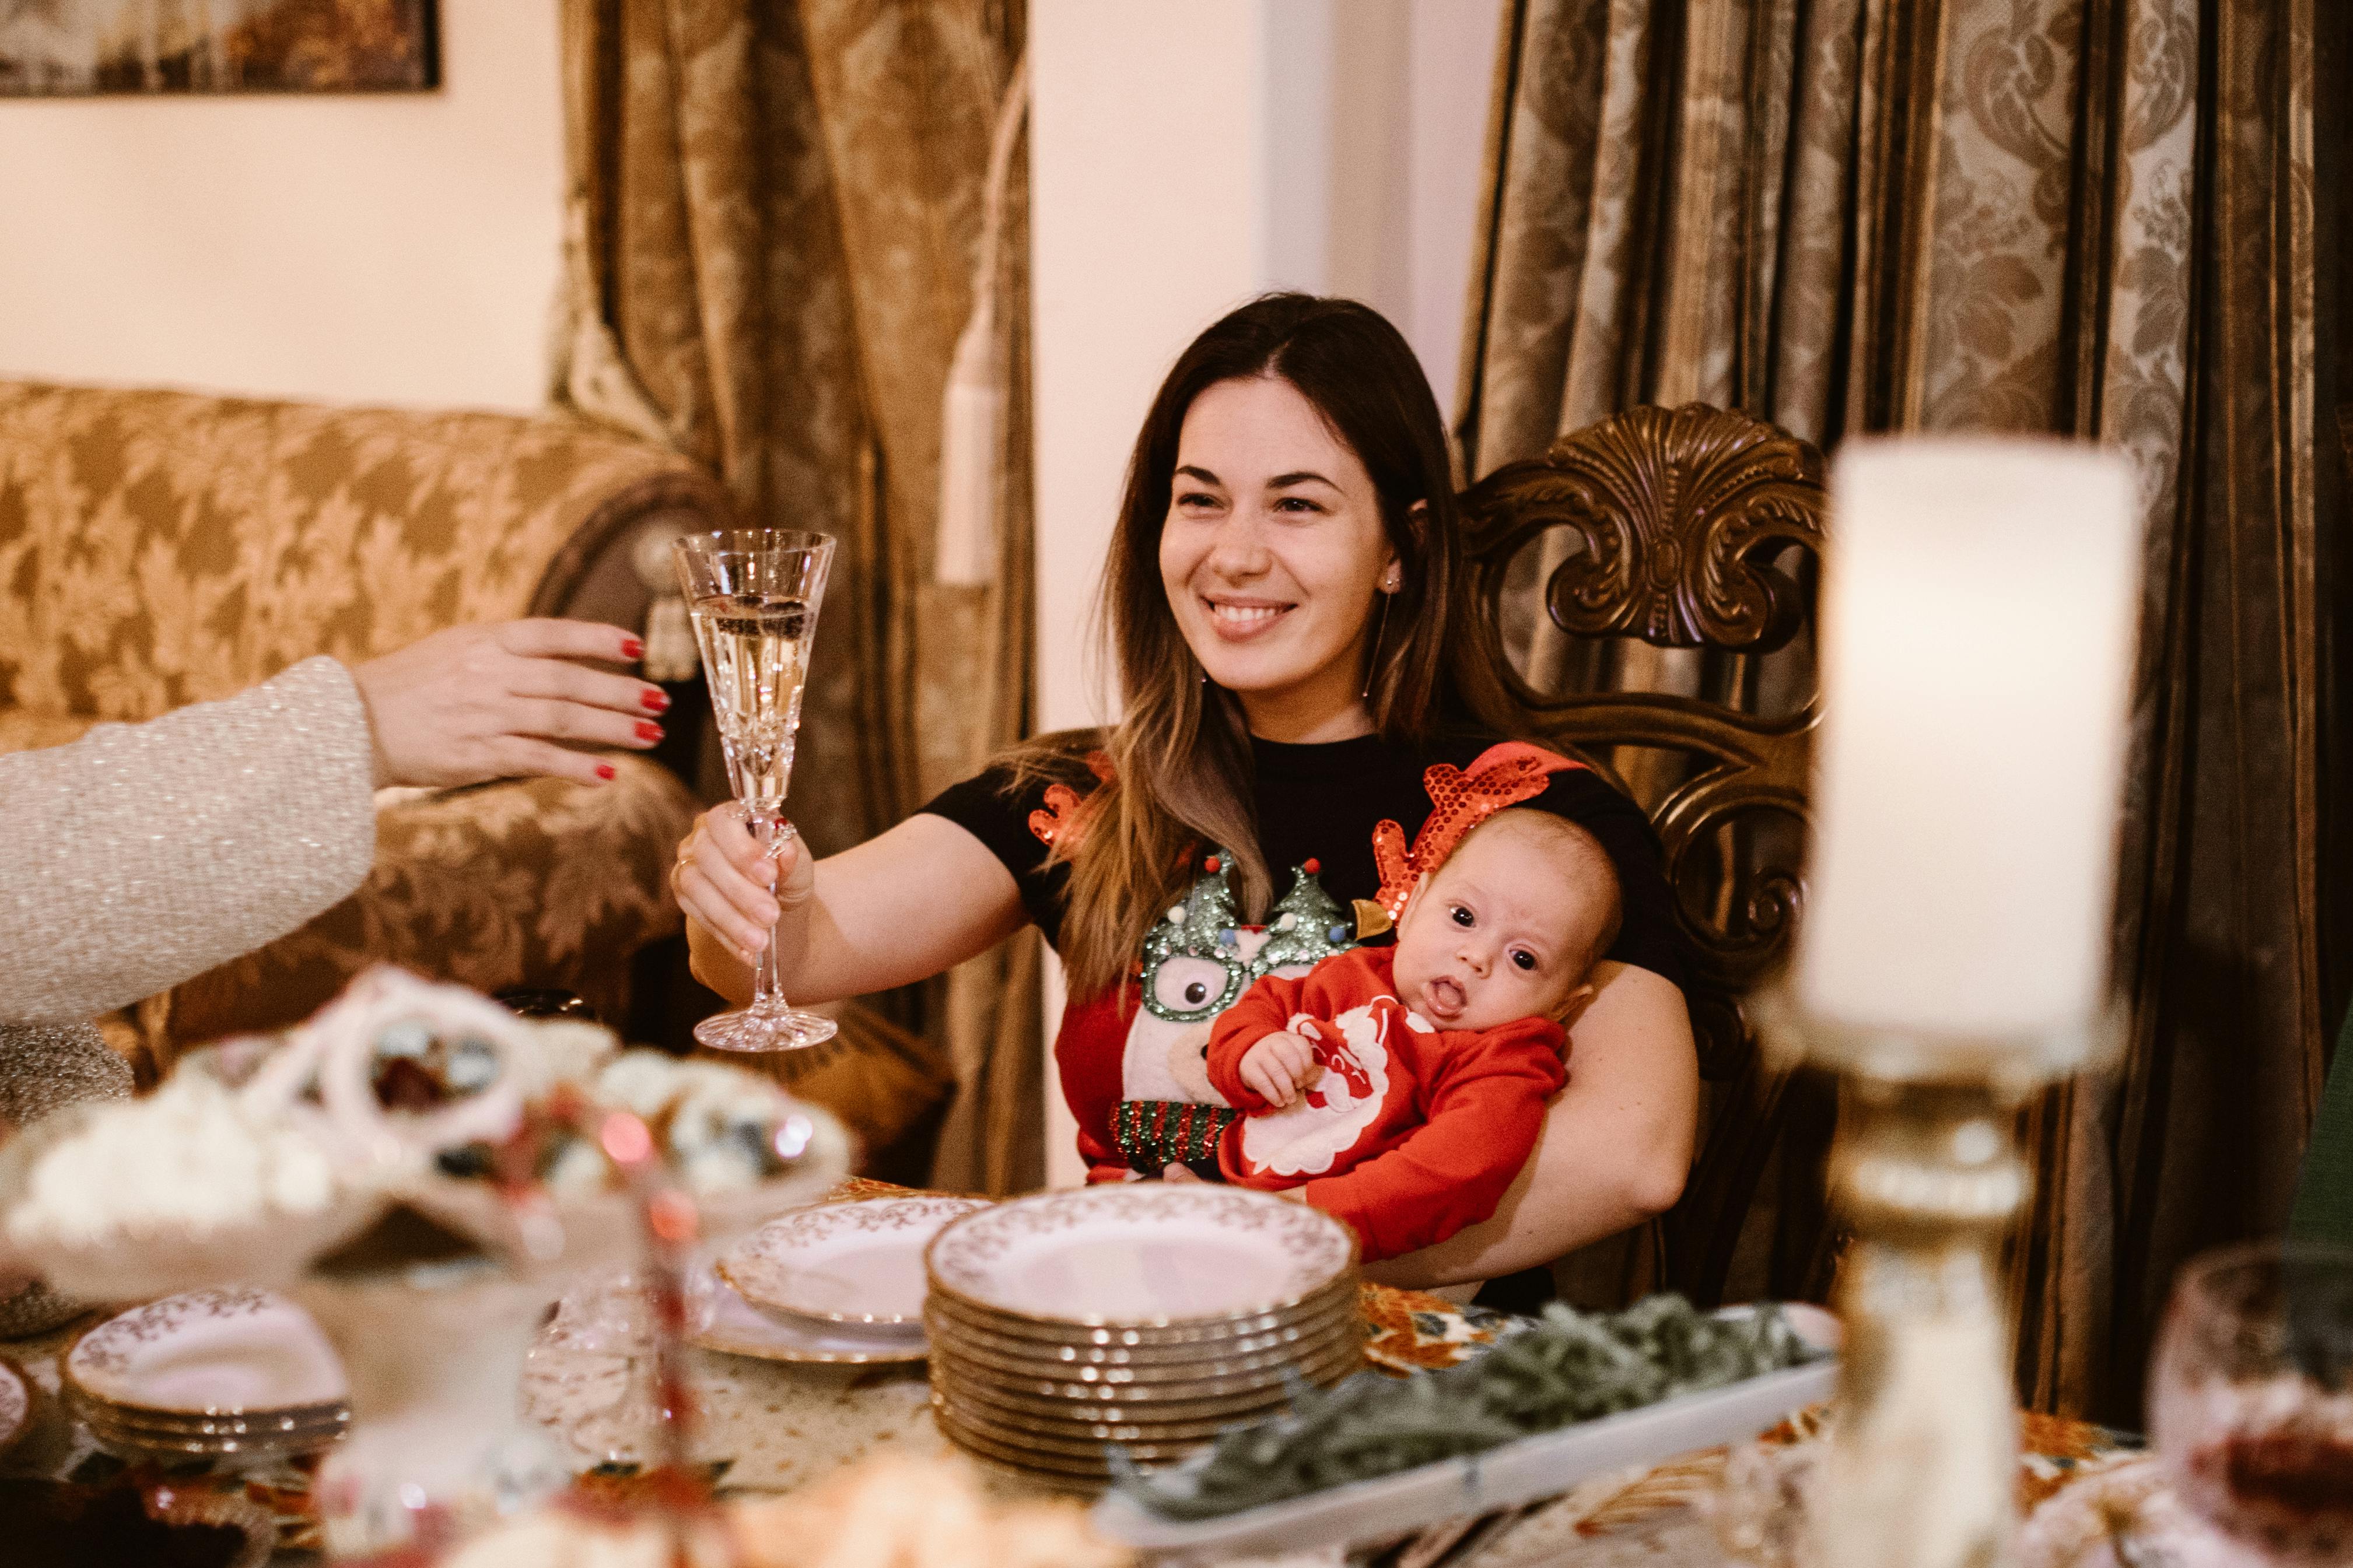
(2121, 1516)
(194, 1159)
(913, 1513)
(1573, 1366)
(405, 1069)
(398, 1068)
(560, 1537)
(718, 1129)
(2273, 1464)
(887, 1512)
(722, 1128)
(424, 1120)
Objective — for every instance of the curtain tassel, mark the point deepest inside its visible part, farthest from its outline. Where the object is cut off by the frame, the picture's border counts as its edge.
(972, 416)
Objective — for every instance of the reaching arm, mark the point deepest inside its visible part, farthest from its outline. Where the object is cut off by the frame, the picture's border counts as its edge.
(143, 854)
(900, 908)
(1616, 1145)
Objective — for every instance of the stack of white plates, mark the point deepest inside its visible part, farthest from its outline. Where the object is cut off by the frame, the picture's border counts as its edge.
(835, 1283)
(211, 1373)
(1147, 1316)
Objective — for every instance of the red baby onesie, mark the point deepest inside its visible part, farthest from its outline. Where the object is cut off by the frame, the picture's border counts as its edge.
(1411, 1133)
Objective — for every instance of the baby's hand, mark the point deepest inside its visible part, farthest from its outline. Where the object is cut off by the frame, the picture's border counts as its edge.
(1279, 1067)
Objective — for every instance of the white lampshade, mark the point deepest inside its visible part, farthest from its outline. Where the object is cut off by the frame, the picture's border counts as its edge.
(1980, 598)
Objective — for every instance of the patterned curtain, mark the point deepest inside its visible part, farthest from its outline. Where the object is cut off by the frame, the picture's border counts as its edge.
(2092, 217)
(775, 220)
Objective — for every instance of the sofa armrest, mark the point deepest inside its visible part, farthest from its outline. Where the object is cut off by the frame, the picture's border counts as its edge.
(598, 575)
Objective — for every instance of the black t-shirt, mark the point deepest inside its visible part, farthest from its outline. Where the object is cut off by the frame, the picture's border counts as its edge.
(1321, 802)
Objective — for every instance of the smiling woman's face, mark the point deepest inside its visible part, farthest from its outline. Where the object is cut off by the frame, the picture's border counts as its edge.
(1273, 556)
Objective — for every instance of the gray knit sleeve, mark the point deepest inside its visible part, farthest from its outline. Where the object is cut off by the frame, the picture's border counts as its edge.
(143, 855)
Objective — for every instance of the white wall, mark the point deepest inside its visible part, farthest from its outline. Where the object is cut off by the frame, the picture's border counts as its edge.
(1183, 158)
(1452, 51)
(397, 248)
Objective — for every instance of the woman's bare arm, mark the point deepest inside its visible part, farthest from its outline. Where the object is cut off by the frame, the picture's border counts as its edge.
(1616, 1145)
(899, 908)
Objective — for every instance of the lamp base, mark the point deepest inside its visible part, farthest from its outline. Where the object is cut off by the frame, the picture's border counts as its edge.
(1923, 1466)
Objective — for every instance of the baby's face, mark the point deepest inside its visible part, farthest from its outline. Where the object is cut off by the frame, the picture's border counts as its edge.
(1501, 932)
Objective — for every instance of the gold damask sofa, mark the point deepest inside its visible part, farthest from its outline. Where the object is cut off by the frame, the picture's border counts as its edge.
(161, 548)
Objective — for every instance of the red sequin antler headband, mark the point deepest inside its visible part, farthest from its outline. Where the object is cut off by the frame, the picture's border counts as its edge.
(1460, 800)
(1062, 823)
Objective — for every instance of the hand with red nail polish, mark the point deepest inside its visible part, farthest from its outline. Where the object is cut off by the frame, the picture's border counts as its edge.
(493, 702)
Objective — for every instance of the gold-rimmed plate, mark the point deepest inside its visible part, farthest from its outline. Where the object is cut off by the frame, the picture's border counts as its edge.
(93, 1411)
(857, 1264)
(1258, 1368)
(727, 1322)
(1058, 1445)
(132, 1440)
(1194, 1398)
(1075, 1423)
(1080, 1403)
(1090, 1475)
(1027, 1337)
(229, 1352)
(1199, 1352)
(1141, 1254)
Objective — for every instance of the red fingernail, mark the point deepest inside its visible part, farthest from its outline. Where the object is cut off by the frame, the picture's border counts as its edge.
(648, 732)
(654, 700)
(632, 647)
(605, 772)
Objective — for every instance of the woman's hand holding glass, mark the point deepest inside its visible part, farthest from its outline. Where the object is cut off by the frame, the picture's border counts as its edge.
(734, 894)
(472, 703)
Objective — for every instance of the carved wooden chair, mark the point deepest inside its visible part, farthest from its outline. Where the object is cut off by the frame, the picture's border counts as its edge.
(1693, 528)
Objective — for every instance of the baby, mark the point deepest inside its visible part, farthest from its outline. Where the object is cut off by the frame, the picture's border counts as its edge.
(1401, 1088)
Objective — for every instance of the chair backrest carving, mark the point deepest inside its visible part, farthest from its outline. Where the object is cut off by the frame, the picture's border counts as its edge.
(1700, 529)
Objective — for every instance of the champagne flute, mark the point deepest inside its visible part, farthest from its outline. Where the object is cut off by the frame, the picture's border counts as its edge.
(753, 593)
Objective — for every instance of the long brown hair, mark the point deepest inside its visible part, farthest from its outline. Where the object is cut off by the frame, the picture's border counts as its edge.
(1183, 777)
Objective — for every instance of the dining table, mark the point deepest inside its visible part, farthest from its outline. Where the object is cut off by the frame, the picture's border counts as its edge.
(762, 1426)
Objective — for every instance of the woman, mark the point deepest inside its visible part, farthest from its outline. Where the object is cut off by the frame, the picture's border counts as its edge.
(1288, 605)
(144, 854)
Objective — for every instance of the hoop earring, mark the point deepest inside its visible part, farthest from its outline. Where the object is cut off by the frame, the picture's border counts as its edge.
(1380, 630)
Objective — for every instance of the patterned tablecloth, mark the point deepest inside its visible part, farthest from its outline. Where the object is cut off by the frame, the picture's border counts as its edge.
(769, 1427)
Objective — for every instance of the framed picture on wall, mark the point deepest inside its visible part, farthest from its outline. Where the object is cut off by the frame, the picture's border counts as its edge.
(52, 48)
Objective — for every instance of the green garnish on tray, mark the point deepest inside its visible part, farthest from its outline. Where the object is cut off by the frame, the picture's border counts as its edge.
(1572, 1367)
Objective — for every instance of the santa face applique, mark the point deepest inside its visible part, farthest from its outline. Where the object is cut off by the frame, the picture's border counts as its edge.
(1304, 1139)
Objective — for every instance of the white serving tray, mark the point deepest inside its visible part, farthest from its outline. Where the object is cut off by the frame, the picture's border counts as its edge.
(1539, 1467)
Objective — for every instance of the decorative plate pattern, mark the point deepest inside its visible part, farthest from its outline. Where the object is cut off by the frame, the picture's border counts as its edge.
(859, 1263)
(948, 1327)
(1263, 1369)
(1200, 1337)
(1142, 1252)
(220, 1352)
(2120, 1513)
(725, 1321)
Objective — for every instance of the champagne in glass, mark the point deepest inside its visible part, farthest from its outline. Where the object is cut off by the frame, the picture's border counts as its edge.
(756, 658)
(753, 593)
